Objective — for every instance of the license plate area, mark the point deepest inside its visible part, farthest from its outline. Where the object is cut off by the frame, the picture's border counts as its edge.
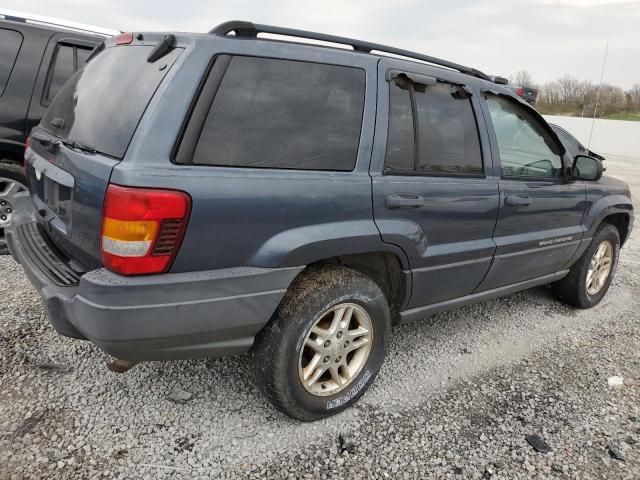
(53, 187)
(58, 198)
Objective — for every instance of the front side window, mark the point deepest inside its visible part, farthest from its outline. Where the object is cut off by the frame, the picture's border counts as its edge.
(270, 113)
(432, 130)
(10, 43)
(526, 148)
(570, 144)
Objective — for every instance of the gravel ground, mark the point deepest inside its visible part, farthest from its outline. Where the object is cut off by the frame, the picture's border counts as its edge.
(458, 396)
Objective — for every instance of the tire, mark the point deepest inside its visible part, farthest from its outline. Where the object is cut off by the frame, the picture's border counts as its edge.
(573, 288)
(9, 172)
(321, 296)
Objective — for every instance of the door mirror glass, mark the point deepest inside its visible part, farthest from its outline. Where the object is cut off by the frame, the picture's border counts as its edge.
(587, 168)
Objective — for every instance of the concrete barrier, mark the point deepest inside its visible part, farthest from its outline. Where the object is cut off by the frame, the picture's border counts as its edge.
(610, 137)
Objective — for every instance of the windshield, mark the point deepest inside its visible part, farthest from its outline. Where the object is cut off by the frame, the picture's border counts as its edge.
(101, 105)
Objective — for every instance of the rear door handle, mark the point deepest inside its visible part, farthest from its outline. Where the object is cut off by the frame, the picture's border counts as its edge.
(517, 200)
(404, 201)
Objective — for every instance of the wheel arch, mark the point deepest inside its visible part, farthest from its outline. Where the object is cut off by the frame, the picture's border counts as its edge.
(616, 210)
(12, 150)
(383, 267)
(621, 221)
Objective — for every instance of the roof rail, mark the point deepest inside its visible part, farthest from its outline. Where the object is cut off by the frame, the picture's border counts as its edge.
(29, 18)
(251, 30)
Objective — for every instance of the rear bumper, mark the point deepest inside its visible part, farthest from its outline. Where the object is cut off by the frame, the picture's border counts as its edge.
(155, 317)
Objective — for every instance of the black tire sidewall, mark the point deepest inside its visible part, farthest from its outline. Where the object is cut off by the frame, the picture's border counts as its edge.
(12, 170)
(347, 396)
(357, 289)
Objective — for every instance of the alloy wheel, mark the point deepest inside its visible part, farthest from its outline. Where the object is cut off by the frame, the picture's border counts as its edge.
(8, 188)
(336, 349)
(599, 267)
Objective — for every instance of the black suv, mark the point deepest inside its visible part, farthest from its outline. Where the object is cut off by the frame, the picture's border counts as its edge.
(196, 195)
(37, 56)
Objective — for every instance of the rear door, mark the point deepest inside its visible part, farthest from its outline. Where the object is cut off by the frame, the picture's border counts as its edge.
(538, 229)
(434, 192)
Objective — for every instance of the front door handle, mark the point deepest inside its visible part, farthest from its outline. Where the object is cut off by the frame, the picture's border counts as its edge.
(404, 201)
(517, 200)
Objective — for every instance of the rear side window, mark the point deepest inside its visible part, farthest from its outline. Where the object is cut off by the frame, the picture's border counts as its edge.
(66, 60)
(400, 140)
(102, 104)
(432, 130)
(271, 113)
(10, 43)
(449, 141)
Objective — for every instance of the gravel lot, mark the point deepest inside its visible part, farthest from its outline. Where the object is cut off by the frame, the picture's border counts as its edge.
(457, 397)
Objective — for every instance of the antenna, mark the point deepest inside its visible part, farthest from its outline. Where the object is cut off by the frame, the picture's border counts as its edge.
(595, 110)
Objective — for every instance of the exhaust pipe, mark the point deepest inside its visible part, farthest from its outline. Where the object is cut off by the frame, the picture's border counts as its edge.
(121, 366)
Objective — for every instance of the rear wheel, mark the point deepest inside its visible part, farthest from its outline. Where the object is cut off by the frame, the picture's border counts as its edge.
(590, 277)
(324, 345)
(12, 181)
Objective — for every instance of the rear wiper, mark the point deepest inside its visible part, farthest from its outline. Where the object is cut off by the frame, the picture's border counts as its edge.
(78, 146)
(163, 47)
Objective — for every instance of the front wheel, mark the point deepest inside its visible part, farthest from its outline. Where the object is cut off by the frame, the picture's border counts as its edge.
(324, 345)
(590, 277)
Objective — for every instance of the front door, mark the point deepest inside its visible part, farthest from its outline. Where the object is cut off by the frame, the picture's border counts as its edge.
(434, 192)
(538, 229)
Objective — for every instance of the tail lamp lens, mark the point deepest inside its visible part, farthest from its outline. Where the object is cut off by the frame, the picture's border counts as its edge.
(142, 229)
(27, 145)
(520, 91)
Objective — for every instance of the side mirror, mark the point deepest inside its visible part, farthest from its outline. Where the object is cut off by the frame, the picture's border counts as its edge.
(587, 168)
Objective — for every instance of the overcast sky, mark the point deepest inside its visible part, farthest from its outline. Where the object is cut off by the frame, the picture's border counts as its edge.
(549, 38)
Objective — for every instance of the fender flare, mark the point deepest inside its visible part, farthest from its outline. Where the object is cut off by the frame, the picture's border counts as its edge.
(313, 243)
(604, 207)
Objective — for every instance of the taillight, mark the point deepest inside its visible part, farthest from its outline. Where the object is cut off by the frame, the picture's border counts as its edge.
(124, 38)
(142, 229)
(27, 144)
(520, 91)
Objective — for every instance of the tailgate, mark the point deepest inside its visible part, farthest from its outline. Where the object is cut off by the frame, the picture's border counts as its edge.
(84, 134)
(68, 189)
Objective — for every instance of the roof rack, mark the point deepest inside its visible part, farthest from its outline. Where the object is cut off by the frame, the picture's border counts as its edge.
(251, 30)
(15, 16)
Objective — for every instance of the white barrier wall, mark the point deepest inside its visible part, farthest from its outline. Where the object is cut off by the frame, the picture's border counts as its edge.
(610, 137)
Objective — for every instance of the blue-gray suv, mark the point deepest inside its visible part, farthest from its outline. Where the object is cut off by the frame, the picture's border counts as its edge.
(199, 195)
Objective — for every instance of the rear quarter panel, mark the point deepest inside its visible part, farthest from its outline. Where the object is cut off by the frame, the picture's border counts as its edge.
(248, 216)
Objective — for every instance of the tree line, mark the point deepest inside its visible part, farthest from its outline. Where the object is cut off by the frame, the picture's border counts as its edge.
(570, 96)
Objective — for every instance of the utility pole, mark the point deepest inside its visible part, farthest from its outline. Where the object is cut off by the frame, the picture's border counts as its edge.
(595, 110)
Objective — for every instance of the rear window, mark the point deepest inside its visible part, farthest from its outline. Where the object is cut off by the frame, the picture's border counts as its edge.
(285, 114)
(101, 104)
(10, 42)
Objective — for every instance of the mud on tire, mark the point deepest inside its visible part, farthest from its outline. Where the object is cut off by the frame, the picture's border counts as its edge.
(276, 353)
